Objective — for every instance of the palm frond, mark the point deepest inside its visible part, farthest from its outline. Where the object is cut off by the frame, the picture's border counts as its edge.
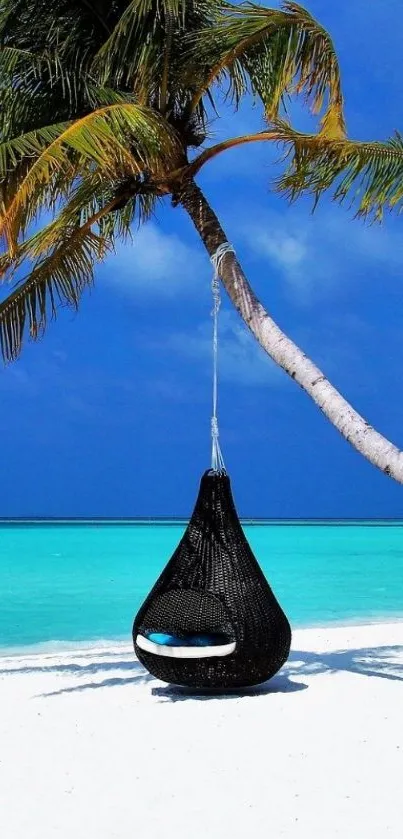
(57, 280)
(12, 57)
(24, 75)
(115, 207)
(118, 140)
(20, 73)
(65, 253)
(369, 173)
(277, 52)
(134, 49)
(45, 54)
(29, 145)
(89, 197)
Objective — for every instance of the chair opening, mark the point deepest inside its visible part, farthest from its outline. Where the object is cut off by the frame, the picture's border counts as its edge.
(186, 624)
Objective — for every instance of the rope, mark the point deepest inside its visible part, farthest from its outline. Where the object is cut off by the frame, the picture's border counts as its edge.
(217, 461)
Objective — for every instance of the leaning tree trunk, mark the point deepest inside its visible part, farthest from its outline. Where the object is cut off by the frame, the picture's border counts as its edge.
(353, 427)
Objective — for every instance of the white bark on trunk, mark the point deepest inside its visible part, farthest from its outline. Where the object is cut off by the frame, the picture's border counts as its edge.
(353, 427)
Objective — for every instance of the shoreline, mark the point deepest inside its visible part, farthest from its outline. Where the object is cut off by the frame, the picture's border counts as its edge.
(94, 645)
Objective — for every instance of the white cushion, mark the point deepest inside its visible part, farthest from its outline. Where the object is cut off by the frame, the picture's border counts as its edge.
(184, 652)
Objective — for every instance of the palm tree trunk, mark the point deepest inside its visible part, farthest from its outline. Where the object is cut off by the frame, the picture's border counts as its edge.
(353, 427)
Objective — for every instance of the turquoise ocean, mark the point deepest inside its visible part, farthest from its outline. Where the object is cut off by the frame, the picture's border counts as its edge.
(64, 583)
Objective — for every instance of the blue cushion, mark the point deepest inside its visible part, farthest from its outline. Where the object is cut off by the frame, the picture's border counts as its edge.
(198, 640)
(163, 638)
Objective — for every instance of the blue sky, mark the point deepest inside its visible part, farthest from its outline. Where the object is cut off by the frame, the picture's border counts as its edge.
(109, 415)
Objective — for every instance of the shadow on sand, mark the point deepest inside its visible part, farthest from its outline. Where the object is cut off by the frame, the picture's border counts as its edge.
(278, 684)
(139, 674)
(377, 662)
(140, 679)
(74, 668)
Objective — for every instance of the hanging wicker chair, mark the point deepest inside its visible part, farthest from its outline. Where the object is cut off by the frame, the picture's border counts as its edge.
(214, 589)
(212, 620)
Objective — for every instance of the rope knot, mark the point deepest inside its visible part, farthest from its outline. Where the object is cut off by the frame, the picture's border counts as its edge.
(218, 257)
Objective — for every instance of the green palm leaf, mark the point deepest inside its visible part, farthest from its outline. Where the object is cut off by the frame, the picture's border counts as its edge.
(140, 44)
(88, 201)
(370, 174)
(58, 279)
(277, 52)
(64, 254)
(118, 140)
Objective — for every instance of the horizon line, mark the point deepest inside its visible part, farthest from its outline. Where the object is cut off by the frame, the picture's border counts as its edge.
(4, 520)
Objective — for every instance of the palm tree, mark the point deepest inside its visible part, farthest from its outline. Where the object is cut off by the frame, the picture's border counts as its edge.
(107, 110)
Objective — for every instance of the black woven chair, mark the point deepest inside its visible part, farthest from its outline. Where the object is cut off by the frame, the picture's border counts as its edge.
(213, 586)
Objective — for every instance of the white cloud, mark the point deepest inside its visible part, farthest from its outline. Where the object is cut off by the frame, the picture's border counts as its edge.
(241, 360)
(156, 262)
(316, 255)
(288, 250)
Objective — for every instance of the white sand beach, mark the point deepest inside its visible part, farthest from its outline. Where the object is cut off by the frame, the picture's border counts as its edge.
(91, 747)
